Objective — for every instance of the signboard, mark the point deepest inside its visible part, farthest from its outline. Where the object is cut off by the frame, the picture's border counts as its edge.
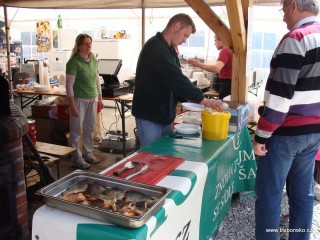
(43, 36)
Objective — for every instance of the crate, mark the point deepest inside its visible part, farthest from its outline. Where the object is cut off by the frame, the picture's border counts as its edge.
(62, 111)
(239, 115)
(52, 130)
(41, 111)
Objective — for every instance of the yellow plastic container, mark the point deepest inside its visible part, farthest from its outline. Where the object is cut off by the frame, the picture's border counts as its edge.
(215, 124)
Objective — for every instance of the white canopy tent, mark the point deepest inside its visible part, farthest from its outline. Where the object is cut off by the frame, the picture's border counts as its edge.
(237, 13)
(114, 4)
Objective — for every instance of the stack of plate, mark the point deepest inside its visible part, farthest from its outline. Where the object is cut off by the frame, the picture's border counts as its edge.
(187, 128)
(41, 88)
(192, 117)
(193, 106)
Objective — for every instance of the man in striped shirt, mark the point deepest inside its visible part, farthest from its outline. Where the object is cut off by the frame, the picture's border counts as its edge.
(288, 131)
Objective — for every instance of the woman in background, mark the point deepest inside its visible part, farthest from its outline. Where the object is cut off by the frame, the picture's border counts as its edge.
(84, 93)
(223, 67)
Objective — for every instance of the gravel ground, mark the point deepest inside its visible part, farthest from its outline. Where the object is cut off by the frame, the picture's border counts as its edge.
(239, 223)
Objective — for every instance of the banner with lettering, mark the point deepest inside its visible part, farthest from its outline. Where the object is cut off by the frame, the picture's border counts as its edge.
(202, 189)
(235, 172)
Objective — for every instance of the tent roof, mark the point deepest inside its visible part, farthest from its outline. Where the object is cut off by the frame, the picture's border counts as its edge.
(109, 4)
(237, 14)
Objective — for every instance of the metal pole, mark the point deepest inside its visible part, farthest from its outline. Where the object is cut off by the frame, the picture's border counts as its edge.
(143, 25)
(8, 52)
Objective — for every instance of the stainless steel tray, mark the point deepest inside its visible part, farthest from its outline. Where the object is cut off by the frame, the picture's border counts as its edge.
(52, 195)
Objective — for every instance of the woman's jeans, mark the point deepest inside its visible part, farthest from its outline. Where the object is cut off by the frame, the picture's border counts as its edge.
(291, 157)
(150, 131)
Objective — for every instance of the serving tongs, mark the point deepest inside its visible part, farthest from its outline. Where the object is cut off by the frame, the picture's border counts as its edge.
(144, 169)
(127, 166)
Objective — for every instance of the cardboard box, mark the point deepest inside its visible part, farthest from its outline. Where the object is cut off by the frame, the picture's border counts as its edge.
(41, 111)
(52, 130)
(239, 116)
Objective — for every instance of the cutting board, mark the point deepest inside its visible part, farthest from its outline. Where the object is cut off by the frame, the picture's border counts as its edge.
(159, 167)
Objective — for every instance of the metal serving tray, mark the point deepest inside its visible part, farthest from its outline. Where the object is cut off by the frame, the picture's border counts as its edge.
(52, 195)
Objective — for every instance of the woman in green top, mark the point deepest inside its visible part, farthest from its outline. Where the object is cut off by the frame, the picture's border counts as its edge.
(84, 93)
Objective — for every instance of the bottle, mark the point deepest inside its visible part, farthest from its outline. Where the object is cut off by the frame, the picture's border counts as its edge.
(103, 32)
(59, 22)
(45, 62)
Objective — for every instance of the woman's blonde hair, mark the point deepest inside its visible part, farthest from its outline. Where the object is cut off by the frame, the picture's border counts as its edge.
(79, 40)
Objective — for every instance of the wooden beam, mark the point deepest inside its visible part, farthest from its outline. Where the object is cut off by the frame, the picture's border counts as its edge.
(246, 5)
(239, 89)
(247, 15)
(239, 83)
(236, 38)
(213, 21)
(238, 31)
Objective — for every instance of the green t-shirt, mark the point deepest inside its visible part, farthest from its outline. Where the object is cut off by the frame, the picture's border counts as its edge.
(85, 85)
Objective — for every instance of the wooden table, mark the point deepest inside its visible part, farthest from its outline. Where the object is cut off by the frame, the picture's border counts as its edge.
(54, 150)
(202, 188)
(57, 151)
(123, 104)
(32, 95)
(32, 175)
(211, 94)
(204, 87)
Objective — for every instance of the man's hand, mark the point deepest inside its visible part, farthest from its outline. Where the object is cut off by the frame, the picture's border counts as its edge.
(214, 104)
(259, 149)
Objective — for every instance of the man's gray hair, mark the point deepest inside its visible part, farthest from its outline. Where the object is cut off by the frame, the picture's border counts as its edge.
(311, 6)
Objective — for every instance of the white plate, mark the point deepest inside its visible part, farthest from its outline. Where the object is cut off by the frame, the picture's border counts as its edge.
(192, 117)
(41, 88)
(193, 106)
(187, 128)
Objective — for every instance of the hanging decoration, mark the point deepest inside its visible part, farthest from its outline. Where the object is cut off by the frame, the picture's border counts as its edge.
(43, 36)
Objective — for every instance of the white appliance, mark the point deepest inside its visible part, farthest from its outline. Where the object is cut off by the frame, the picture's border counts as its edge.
(106, 49)
(58, 61)
(124, 49)
(117, 49)
(64, 39)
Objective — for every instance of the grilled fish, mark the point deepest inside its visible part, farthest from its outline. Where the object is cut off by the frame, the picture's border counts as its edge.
(113, 193)
(93, 203)
(74, 197)
(129, 203)
(76, 188)
(95, 189)
(133, 208)
(134, 196)
(111, 196)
